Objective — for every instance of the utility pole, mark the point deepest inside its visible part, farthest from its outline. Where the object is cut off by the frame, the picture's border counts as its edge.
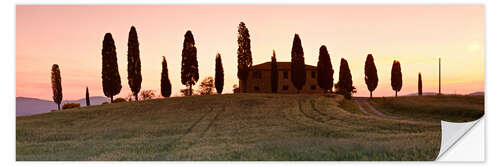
(439, 76)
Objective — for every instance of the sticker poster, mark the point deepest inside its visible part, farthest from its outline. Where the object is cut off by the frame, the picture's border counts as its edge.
(246, 82)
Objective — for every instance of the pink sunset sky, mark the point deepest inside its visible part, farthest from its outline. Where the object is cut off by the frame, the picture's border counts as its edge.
(416, 35)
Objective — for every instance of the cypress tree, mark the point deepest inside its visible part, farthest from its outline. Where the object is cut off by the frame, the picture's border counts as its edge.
(371, 78)
(274, 73)
(298, 66)
(166, 87)
(325, 70)
(189, 69)
(87, 97)
(244, 55)
(111, 84)
(344, 85)
(419, 84)
(396, 77)
(134, 63)
(56, 85)
(219, 74)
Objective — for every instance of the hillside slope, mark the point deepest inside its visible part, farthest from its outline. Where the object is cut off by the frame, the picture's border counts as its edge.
(224, 127)
(30, 106)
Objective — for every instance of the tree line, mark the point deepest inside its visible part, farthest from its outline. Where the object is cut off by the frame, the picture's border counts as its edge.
(111, 82)
(325, 72)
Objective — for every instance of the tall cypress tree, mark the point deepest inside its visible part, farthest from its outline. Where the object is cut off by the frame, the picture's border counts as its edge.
(87, 97)
(371, 77)
(298, 70)
(274, 73)
(189, 69)
(134, 63)
(344, 85)
(219, 74)
(166, 87)
(111, 84)
(325, 70)
(244, 55)
(56, 85)
(396, 77)
(419, 84)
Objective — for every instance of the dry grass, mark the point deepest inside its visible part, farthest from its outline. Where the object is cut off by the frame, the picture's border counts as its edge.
(224, 127)
(452, 108)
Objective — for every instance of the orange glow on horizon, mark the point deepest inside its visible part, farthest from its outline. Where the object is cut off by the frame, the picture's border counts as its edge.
(416, 35)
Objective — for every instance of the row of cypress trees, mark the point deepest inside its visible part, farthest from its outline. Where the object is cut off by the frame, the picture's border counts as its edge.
(189, 69)
(371, 77)
(111, 82)
(110, 75)
(325, 72)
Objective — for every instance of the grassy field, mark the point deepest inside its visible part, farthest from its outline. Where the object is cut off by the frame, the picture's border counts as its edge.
(228, 127)
(451, 108)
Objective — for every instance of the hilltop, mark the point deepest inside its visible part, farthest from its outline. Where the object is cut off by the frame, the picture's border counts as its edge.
(227, 127)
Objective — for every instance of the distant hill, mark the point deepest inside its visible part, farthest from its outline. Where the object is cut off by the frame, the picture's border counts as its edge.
(423, 93)
(480, 93)
(30, 106)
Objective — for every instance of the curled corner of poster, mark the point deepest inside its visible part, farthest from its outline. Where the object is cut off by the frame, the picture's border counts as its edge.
(462, 141)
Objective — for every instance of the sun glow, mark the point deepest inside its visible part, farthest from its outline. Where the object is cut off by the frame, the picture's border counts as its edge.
(71, 36)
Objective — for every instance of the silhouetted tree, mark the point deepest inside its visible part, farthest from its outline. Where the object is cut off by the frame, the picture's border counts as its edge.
(134, 63)
(166, 87)
(244, 55)
(396, 77)
(87, 98)
(219, 74)
(206, 86)
(56, 85)
(274, 73)
(298, 66)
(344, 85)
(111, 84)
(325, 70)
(189, 69)
(419, 84)
(371, 77)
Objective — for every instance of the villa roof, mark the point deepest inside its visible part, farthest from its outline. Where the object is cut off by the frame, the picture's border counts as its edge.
(281, 66)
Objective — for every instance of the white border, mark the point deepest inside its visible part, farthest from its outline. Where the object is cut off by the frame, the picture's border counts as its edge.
(7, 44)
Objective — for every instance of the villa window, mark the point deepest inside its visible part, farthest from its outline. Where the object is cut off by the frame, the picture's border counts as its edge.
(313, 87)
(313, 74)
(285, 75)
(285, 87)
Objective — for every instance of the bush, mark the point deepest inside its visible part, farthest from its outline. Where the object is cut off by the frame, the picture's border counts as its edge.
(105, 102)
(207, 86)
(119, 100)
(185, 92)
(147, 94)
(70, 105)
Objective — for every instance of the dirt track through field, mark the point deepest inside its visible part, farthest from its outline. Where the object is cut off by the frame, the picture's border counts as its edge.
(362, 102)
